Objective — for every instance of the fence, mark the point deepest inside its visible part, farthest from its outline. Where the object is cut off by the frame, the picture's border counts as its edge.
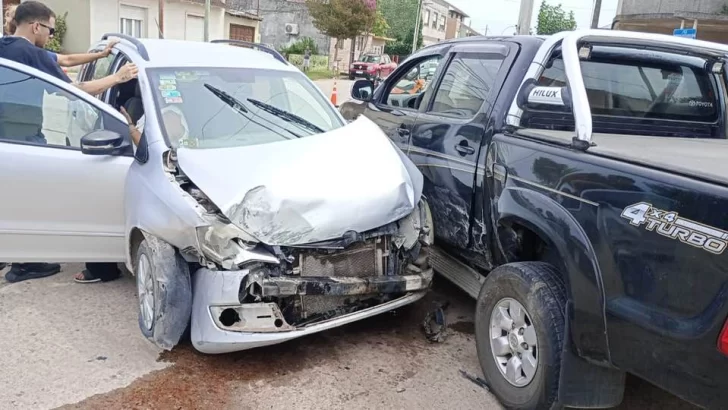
(318, 63)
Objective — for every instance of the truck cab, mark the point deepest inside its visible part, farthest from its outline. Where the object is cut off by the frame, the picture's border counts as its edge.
(576, 186)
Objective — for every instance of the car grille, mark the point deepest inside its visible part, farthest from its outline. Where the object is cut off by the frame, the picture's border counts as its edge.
(359, 260)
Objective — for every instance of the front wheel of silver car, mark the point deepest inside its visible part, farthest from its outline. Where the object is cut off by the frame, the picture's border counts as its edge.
(164, 290)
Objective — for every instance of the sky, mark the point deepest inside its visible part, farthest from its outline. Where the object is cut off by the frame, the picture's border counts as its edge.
(500, 16)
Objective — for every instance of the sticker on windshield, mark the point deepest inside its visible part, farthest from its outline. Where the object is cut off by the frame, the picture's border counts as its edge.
(187, 76)
(170, 81)
(167, 77)
(671, 225)
(173, 100)
(167, 87)
(171, 93)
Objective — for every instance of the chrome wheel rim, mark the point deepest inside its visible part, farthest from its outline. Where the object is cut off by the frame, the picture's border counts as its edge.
(145, 288)
(514, 342)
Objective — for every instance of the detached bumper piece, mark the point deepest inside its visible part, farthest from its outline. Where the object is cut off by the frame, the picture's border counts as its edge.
(338, 286)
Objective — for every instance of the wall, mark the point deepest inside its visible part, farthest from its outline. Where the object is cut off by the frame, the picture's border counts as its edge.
(670, 6)
(105, 16)
(175, 20)
(78, 34)
(229, 19)
(453, 28)
(276, 13)
(362, 44)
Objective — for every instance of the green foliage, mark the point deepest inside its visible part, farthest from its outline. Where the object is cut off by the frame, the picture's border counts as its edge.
(317, 63)
(300, 46)
(400, 16)
(553, 19)
(56, 43)
(381, 27)
(341, 19)
(724, 10)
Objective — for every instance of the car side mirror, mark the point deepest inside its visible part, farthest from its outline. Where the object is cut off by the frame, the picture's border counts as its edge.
(362, 90)
(104, 142)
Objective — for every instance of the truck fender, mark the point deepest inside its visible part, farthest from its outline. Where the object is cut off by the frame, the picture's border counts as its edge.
(558, 228)
(587, 376)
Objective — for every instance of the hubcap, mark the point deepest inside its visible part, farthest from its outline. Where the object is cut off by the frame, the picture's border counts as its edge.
(145, 288)
(513, 342)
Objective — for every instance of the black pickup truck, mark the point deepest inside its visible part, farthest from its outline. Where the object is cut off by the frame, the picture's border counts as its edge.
(578, 185)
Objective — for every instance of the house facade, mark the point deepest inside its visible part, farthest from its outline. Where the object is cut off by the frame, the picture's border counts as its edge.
(434, 21)
(287, 21)
(88, 20)
(348, 49)
(456, 27)
(655, 16)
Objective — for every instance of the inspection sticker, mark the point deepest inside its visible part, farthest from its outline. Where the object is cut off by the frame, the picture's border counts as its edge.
(171, 94)
(163, 77)
(167, 87)
(170, 81)
(173, 100)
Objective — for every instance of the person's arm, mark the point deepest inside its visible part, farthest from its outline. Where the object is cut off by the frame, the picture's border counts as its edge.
(96, 87)
(72, 60)
(135, 131)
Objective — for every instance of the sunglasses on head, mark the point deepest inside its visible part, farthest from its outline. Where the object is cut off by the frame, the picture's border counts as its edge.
(51, 30)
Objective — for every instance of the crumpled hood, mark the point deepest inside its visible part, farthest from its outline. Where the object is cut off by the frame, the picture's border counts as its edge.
(310, 189)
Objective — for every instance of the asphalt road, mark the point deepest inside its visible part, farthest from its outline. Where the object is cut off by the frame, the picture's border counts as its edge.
(78, 345)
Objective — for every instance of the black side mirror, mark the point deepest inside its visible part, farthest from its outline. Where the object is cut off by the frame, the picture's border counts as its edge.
(362, 90)
(104, 142)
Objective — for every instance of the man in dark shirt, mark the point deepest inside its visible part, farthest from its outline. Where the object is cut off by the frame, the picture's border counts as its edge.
(35, 27)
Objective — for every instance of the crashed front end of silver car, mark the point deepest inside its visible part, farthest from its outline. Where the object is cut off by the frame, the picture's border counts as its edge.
(291, 253)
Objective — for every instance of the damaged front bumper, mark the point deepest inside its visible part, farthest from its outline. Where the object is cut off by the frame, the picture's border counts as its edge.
(222, 322)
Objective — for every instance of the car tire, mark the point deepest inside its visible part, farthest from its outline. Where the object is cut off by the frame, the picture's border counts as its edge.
(521, 359)
(165, 292)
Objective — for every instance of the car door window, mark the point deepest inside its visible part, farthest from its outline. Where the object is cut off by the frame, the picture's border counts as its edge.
(466, 84)
(407, 90)
(102, 66)
(33, 111)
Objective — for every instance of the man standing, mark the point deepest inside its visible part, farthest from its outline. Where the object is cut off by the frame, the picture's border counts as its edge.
(35, 27)
(306, 59)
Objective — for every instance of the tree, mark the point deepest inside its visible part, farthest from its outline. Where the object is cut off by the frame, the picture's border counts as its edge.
(56, 43)
(400, 16)
(341, 19)
(553, 19)
(380, 28)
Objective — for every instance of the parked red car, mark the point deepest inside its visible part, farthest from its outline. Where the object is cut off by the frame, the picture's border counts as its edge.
(371, 66)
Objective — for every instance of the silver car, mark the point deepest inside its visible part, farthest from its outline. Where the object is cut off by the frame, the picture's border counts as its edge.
(250, 210)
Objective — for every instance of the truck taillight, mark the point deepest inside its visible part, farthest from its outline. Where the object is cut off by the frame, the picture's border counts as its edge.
(723, 340)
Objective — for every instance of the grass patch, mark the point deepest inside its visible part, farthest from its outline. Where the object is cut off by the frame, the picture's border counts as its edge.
(320, 75)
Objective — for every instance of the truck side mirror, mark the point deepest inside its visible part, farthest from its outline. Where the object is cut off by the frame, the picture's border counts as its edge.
(362, 90)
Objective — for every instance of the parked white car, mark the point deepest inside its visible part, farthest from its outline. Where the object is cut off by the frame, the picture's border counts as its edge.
(250, 208)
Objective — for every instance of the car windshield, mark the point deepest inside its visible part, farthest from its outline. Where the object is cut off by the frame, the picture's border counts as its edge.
(370, 59)
(232, 107)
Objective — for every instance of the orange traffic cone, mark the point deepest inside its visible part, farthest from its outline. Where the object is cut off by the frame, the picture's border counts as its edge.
(333, 95)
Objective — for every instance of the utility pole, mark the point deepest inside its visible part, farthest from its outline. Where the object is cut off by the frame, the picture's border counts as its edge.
(417, 26)
(161, 18)
(207, 20)
(524, 17)
(595, 15)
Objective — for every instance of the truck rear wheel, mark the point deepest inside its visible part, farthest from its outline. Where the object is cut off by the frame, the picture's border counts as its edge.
(519, 333)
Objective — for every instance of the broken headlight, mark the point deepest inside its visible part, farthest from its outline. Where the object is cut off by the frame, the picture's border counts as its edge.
(228, 245)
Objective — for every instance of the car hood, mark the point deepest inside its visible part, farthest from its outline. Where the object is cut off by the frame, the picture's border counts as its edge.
(311, 189)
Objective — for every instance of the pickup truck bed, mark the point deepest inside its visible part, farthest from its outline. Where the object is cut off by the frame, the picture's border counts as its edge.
(706, 159)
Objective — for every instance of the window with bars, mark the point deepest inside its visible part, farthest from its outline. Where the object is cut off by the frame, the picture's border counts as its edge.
(130, 27)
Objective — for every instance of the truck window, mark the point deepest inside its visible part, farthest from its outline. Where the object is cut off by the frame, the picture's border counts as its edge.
(648, 90)
(465, 85)
(407, 90)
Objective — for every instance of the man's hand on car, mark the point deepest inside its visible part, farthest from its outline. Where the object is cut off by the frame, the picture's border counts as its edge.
(127, 72)
(109, 46)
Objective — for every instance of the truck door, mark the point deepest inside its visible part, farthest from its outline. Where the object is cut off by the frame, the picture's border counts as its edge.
(396, 108)
(450, 132)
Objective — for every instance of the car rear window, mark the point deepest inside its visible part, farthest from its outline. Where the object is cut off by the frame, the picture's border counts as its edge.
(643, 90)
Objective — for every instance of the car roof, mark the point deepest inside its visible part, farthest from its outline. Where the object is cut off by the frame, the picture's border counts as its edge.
(180, 53)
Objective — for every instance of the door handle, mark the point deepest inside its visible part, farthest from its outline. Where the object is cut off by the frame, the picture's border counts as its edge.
(403, 132)
(464, 149)
(397, 113)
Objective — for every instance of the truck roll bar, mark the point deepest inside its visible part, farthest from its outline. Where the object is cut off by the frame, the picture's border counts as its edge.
(570, 43)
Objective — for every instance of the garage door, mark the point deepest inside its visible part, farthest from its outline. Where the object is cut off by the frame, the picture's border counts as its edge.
(240, 32)
(195, 28)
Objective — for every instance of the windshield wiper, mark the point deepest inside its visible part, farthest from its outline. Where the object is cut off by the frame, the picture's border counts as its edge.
(227, 98)
(238, 106)
(285, 115)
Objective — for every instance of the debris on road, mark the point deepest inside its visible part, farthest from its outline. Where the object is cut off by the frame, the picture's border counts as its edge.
(475, 379)
(435, 323)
